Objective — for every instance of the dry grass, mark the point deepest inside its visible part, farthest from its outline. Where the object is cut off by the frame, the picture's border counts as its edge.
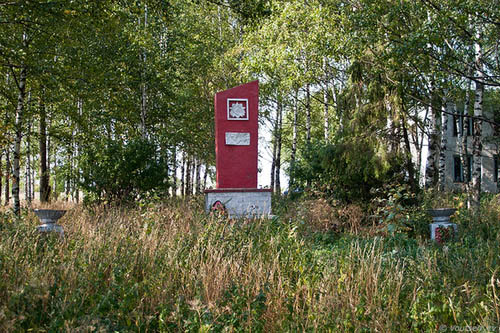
(168, 267)
(323, 215)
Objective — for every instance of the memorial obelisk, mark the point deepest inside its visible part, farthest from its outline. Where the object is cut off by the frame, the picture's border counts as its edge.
(236, 154)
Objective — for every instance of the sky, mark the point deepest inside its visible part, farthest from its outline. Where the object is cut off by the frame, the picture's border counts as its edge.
(266, 157)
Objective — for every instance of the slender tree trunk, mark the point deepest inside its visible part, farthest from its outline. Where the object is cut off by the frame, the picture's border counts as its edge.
(277, 179)
(294, 140)
(338, 110)
(192, 187)
(431, 174)
(183, 173)
(273, 162)
(165, 157)
(44, 172)
(28, 165)
(198, 177)
(422, 139)
(144, 96)
(26, 178)
(413, 135)
(8, 167)
(32, 179)
(70, 171)
(205, 175)
(17, 143)
(276, 160)
(28, 168)
(192, 167)
(52, 192)
(308, 114)
(409, 162)
(308, 122)
(1, 175)
(443, 147)
(77, 152)
(464, 144)
(143, 110)
(71, 165)
(326, 124)
(391, 125)
(188, 176)
(477, 144)
(174, 171)
(76, 181)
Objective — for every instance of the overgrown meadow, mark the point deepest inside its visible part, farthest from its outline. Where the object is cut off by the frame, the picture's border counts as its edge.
(166, 266)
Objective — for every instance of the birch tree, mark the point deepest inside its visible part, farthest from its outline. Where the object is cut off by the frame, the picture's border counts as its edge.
(477, 144)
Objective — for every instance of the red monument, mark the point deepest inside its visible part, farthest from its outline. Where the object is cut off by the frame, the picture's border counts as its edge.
(236, 136)
(236, 150)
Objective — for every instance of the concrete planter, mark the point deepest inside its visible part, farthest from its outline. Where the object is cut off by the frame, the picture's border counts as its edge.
(441, 223)
(49, 218)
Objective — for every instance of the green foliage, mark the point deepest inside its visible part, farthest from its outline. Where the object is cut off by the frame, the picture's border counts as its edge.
(347, 170)
(400, 211)
(113, 170)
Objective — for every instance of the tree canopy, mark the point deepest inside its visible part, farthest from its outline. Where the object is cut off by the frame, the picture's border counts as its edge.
(87, 87)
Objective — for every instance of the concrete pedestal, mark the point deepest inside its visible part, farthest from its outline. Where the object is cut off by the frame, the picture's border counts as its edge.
(240, 202)
(441, 218)
(436, 225)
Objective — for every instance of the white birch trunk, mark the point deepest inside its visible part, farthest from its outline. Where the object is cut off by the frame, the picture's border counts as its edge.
(308, 114)
(294, 140)
(17, 142)
(463, 143)
(28, 165)
(431, 175)
(443, 146)
(205, 176)
(326, 124)
(8, 167)
(477, 145)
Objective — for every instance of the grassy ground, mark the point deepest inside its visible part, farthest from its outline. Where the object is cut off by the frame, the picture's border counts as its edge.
(168, 267)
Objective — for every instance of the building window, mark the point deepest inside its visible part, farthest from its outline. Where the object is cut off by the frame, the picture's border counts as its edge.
(458, 170)
(458, 174)
(457, 124)
(470, 127)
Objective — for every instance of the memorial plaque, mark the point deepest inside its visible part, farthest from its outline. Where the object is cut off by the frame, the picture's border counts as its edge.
(237, 109)
(237, 139)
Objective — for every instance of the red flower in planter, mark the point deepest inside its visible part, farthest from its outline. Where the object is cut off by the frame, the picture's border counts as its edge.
(444, 234)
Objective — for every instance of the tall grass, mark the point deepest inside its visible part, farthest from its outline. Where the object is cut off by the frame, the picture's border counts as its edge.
(169, 267)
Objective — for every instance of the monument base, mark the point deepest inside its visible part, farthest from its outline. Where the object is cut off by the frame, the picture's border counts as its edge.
(240, 202)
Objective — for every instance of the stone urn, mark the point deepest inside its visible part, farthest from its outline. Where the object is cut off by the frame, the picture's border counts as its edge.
(49, 218)
(441, 221)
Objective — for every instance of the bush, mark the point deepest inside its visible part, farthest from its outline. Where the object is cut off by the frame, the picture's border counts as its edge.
(396, 207)
(113, 170)
(348, 170)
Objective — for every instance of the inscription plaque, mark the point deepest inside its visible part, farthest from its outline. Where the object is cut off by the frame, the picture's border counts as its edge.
(237, 139)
